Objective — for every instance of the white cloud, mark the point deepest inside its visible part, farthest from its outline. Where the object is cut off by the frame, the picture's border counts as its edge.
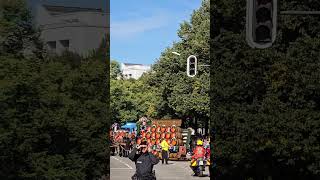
(133, 27)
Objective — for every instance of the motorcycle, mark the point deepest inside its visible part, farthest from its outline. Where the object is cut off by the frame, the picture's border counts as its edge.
(198, 166)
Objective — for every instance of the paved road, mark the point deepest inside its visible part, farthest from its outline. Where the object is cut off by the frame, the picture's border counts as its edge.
(122, 169)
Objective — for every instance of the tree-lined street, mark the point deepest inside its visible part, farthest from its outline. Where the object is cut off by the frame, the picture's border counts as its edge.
(167, 91)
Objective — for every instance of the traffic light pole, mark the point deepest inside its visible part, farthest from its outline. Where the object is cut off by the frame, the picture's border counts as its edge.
(204, 65)
(261, 21)
(188, 64)
(300, 12)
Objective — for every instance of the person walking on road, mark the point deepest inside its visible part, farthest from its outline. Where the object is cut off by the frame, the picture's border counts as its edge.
(165, 151)
(144, 161)
(127, 141)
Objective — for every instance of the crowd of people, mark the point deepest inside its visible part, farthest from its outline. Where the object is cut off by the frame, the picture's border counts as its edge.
(123, 142)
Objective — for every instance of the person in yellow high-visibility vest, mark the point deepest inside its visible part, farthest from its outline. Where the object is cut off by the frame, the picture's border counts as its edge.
(165, 151)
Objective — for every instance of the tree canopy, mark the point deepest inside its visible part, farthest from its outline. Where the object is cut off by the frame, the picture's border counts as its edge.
(166, 91)
(265, 103)
(115, 71)
(53, 111)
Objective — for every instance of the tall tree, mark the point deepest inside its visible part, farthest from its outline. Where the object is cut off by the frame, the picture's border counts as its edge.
(18, 36)
(132, 99)
(53, 112)
(265, 106)
(182, 96)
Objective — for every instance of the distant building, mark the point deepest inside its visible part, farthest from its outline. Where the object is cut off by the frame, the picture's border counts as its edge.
(75, 29)
(134, 71)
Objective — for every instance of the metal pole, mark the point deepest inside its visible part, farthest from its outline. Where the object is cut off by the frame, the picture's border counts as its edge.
(300, 12)
(204, 65)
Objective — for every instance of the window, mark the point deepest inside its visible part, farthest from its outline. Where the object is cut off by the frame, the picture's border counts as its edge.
(65, 43)
(52, 45)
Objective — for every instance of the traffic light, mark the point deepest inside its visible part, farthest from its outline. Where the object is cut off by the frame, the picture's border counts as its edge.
(192, 66)
(261, 27)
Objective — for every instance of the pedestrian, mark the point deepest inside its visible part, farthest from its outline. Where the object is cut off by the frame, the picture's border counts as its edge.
(127, 146)
(144, 161)
(165, 151)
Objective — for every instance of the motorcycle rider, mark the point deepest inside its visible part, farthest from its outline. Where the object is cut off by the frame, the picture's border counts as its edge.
(198, 152)
(144, 161)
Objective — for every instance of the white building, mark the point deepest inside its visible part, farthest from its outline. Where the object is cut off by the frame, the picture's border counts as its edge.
(134, 71)
(76, 29)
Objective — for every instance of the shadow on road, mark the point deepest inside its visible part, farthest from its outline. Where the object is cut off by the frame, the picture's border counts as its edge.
(205, 175)
(167, 164)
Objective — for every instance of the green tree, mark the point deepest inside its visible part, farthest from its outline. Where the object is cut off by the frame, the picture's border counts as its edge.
(53, 110)
(115, 70)
(166, 91)
(53, 120)
(182, 96)
(264, 103)
(131, 99)
(17, 35)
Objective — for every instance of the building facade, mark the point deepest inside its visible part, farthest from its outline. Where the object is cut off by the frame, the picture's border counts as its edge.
(134, 71)
(79, 30)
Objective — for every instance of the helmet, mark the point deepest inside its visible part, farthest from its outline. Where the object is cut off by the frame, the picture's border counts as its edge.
(199, 143)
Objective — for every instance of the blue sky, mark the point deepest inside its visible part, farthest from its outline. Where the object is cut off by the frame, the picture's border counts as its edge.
(141, 30)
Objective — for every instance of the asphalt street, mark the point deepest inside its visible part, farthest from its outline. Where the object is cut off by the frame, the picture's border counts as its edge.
(122, 169)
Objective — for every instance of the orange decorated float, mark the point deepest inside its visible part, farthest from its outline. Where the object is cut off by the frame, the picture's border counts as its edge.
(153, 141)
(173, 141)
(163, 128)
(167, 135)
(153, 129)
(163, 135)
(153, 135)
(173, 128)
(173, 135)
(158, 135)
(168, 129)
(148, 135)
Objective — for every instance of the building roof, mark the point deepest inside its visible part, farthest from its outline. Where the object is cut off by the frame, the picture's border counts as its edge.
(133, 64)
(55, 10)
